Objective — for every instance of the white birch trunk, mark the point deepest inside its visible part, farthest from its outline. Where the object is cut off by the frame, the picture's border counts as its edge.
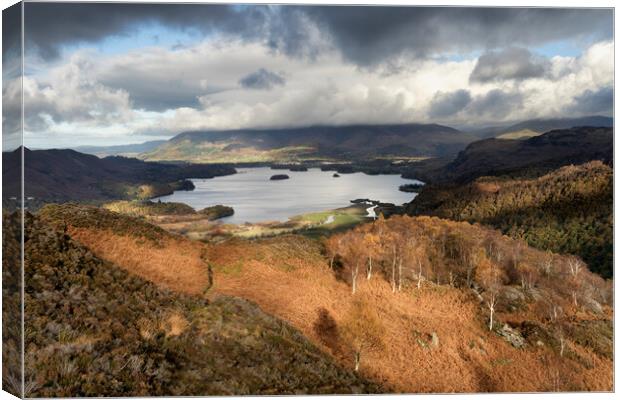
(400, 274)
(354, 273)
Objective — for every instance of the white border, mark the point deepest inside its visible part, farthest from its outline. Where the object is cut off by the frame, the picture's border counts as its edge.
(470, 3)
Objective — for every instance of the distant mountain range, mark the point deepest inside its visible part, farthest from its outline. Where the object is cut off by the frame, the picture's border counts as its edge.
(320, 142)
(535, 127)
(353, 142)
(127, 150)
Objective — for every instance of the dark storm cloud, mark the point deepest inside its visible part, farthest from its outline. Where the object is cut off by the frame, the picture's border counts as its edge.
(262, 79)
(370, 34)
(11, 30)
(495, 104)
(447, 104)
(11, 42)
(11, 70)
(364, 35)
(593, 102)
(511, 63)
(51, 25)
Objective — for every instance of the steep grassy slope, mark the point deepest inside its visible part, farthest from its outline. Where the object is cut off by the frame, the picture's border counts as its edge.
(521, 157)
(135, 245)
(282, 145)
(95, 330)
(67, 175)
(569, 210)
(431, 338)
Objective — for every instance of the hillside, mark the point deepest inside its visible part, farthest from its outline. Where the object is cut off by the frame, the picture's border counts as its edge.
(569, 210)
(67, 175)
(282, 145)
(12, 333)
(534, 127)
(425, 303)
(532, 156)
(126, 150)
(97, 330)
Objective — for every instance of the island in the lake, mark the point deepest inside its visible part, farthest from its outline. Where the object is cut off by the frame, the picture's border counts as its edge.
(279, 177)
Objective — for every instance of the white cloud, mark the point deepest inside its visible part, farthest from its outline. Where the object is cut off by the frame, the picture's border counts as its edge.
(92, 98)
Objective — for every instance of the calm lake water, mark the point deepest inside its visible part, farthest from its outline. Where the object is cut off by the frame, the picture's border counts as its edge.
(256, 199)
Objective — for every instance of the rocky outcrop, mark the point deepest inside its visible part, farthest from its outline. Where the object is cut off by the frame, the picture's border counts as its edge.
(512, 336)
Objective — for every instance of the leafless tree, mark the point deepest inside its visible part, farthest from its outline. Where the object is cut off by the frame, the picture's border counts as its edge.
(491, 301)
(574, 266)
(419, 277)
(546, 265)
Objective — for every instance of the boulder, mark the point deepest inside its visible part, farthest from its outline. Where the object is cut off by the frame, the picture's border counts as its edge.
(512, 336)
(513, 299)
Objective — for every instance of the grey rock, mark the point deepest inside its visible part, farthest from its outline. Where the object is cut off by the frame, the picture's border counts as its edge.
(512, 336)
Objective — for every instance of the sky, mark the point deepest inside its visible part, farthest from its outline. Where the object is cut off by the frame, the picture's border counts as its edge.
(108, 74)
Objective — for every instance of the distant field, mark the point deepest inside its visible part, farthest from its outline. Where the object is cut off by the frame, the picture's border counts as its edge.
(312, 224)
(522, 134)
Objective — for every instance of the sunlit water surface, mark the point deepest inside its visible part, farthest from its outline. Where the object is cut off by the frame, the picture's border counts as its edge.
(255, 198)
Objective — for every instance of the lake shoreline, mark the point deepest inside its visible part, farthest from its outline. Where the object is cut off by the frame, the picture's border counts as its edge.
(257, 199)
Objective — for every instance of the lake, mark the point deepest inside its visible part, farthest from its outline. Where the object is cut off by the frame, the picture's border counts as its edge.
(255, 198)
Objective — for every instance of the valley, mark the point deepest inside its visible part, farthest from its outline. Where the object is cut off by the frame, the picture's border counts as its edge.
(221, 199)
(361, 288)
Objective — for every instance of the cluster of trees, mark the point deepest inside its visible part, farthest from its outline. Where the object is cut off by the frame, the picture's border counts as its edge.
(569, 210)
(505, 274)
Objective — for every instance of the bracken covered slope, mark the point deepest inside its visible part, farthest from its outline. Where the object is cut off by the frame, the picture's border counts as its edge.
(569, 210)
(551, 327)
(434, 338)
(93, 329)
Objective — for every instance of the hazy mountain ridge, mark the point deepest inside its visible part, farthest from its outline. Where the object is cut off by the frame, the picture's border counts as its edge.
(339, 142)
(538, 126)
(120, 150)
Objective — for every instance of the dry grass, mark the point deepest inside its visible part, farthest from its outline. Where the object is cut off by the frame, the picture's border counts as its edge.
(176, 264)
(289, 278)
(468, 358)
